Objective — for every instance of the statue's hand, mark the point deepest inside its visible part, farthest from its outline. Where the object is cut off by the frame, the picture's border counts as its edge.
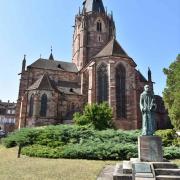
(143, 110)
(153, 107)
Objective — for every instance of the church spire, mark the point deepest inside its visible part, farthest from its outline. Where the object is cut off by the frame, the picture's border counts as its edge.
(51, 57)
(149, 75)
(24, 64)
(93, 6)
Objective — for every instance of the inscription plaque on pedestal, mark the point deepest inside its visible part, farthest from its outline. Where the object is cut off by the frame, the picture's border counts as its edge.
(142, 168)
(150, 149)
(142, 171)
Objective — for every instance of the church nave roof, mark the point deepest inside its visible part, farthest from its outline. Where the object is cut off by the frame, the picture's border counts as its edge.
(54, 65)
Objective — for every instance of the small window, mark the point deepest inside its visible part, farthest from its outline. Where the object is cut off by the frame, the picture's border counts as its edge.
(83, 24)
(72, 107)
(71, 90)
(99, 26)
(8, 111)
(99, 39)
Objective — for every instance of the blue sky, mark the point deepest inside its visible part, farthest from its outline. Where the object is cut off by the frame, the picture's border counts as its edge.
(148, 30)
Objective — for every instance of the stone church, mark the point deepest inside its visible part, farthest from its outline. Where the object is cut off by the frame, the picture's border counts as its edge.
(50, 90)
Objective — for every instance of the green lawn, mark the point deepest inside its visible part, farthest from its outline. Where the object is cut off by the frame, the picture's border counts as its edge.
(177, 161)
(12, 168)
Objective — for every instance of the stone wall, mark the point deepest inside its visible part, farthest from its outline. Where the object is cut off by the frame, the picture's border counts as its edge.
(27, 79)
(87, 41)
(132, 95)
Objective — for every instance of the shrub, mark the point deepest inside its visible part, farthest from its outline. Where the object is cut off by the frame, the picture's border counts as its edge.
(117, 136)
(25, 136)
(169, 137)
(172, 152)
(89, 150)
(81, 142)
(176, 142)
(80, 119)
(42, 151)
(98, 116)
(100, 151)
(55, 136)
(52, 136)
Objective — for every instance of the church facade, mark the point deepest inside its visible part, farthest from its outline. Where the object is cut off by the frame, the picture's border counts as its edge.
(50, 90)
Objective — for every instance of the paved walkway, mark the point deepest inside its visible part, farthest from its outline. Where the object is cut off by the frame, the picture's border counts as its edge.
(107, 173)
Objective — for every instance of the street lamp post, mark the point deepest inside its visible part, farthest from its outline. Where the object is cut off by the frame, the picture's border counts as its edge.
(19, 127)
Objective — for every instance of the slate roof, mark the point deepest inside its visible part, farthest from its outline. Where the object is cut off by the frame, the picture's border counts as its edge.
(93, 6)
(67, 90)
(54, 65)
(7, 104)
(68, 87)
(68, 84)
(112, 48)
(43, 83)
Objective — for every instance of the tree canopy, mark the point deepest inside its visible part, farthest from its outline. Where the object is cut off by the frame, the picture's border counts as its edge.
(171, 93)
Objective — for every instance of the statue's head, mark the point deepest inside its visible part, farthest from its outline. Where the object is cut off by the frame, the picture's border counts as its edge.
(147, 88)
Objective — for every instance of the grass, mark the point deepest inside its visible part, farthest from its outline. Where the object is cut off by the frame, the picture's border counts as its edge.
(177, 161)
(24, 168)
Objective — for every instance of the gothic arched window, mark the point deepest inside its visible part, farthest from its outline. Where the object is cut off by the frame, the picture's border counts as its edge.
(31, 106)
(99, 26)
(102, 81)
(120, 91)
(43, 110)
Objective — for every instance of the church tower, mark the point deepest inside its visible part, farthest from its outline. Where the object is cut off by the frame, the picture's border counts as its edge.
(93, 29)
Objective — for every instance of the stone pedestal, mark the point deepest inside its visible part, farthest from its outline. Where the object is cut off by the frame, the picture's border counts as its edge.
(150, 149)
(149, 165)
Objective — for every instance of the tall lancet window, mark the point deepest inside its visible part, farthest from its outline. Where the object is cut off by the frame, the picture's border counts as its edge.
(31, 106)
(120, 91)
(43, 110)
(102, 81)
(99, 26)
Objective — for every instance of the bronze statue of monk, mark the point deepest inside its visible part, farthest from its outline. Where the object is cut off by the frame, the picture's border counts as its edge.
(148, 107)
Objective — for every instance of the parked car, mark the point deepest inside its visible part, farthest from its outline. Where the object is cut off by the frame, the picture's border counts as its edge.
(2, 134)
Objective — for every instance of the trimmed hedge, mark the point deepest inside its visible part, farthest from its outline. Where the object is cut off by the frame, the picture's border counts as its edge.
(55, 136)
(83, 142)
(101, 151)
(76, 142)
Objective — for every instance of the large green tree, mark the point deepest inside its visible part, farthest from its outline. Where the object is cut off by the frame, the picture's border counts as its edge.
(171, 93)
